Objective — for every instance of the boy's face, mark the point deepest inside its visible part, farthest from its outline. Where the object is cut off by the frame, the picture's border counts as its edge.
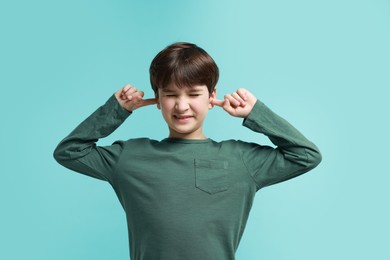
(184, 110)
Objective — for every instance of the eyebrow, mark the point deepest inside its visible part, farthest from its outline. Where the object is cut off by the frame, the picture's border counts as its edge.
(192, 89)
(195, 89)
(167, 90)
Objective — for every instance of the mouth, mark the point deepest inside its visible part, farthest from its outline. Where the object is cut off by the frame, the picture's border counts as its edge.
(182, 118)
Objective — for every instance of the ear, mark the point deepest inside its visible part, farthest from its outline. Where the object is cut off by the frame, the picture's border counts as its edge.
(212, 97)
(158, 101)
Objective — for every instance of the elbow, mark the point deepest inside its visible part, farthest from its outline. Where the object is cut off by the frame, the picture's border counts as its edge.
(314, 158)
(58, 155)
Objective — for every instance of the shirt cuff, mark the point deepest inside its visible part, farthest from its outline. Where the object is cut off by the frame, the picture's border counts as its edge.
(113, 104)
(251, 121)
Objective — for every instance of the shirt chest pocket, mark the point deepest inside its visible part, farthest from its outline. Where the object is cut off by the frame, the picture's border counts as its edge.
(211, 176)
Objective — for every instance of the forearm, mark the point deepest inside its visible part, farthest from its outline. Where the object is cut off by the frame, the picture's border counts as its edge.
(294, 153)
(77, 150)
(285, 136)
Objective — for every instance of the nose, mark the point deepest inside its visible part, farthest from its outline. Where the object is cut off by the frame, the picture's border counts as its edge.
(181, 104)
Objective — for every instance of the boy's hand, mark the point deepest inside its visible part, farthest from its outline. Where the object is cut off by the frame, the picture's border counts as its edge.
(131, 98)
(239, 103)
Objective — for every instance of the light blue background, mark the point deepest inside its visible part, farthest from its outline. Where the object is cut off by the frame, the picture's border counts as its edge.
(322, 65)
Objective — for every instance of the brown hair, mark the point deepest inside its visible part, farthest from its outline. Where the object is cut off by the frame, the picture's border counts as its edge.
(185, 65)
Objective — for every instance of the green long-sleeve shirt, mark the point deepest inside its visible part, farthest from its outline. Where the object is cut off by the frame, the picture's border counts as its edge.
(186, 199)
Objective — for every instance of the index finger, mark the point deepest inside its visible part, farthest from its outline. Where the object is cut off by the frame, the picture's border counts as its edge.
(217, 102)
(148, 102)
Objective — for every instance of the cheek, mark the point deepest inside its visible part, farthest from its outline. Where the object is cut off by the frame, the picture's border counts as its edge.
(166, 105)
(201, 105)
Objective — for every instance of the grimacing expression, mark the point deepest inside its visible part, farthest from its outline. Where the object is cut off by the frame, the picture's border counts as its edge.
(184, 110)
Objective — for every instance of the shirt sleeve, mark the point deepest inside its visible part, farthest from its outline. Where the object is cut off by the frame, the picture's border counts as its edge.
(294, 153)
(79, 152)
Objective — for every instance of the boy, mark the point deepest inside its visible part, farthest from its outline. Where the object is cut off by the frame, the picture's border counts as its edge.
(187, 196)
